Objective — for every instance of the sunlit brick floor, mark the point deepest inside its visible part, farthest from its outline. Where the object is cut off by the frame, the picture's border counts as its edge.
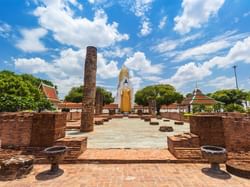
(130, 133)
(129, 175)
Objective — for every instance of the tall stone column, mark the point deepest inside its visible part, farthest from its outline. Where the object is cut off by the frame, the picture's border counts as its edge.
(89, 89)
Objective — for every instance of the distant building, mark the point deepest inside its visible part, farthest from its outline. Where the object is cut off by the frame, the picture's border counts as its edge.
(197, 98)
(70, 107)
(50, 93)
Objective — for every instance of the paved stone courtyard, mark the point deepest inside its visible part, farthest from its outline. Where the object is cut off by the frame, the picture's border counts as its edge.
(129, 175)
(129, 133)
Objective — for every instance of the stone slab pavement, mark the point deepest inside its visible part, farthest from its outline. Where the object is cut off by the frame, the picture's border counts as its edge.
(129, 133)
(129, 175)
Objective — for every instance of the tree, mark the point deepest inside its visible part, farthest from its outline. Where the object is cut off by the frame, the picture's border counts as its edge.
(162, 94)
(234, 108)
(230, 96)
(75, 95)
(107, 96)
(18, 93)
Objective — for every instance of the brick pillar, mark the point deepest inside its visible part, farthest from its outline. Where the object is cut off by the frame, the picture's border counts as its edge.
(89, 89)
(98, 102)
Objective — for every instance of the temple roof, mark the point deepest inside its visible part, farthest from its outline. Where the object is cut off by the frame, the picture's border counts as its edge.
(198, 98)
(49, 92)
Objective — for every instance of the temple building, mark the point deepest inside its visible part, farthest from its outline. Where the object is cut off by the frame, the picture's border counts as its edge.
(197, 98)
(50, 94)
(125, 96)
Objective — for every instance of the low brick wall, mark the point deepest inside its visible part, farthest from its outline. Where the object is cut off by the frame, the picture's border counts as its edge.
(73, 116)
(47, 128)
(237, 133)
(226, 131)
(15, 129)
(209, 128)
(175, 116)
(31, 129)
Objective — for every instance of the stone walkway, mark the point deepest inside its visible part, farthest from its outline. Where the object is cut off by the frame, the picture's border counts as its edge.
(129, 175)
(129, 133)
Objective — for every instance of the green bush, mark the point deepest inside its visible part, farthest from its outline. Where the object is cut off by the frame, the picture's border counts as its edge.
(234, 108)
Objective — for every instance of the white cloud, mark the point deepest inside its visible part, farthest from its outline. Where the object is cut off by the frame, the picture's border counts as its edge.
(138, 62)
(152, 78)
(5, 29)
(145, 28)
(140, 7)
(135, 80)
(31, 41)
(195, 13)
(238, 53)
(222, 82)
(246, 14)
(188, 73)
(201, 51)
(106, 69)
(193, 72)
(80, 32)
(162, 22)
(116, 51)
(32, 65)
(166, 45)
(170, 48)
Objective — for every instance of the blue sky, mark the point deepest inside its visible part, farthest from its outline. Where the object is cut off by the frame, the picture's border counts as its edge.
(179, 42)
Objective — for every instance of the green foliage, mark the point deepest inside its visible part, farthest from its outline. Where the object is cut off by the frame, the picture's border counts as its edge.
(107, 96)
(234, 108)
(248, 110)
(208, 109)
(20, 92)
(230, 96)
(162, 94)
(75, 95)
(217, 107)
(198, 108)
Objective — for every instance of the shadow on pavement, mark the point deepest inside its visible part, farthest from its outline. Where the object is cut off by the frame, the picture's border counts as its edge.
(218, 175)
(47, 175)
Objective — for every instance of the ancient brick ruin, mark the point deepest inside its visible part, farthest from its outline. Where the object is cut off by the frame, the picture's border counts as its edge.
(19, 130)
(231, 131)
(89, 90)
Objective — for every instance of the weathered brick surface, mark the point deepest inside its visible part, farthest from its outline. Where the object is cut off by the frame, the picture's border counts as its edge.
(47, 128)
(73, 116)
(89, 90)
(237, 133)
(175, 116)
(76, 145)
(15, 129)
(31, 129)
(187, 140)
(209, 128)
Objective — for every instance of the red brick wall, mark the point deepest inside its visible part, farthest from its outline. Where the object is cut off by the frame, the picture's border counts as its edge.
(31, 129)
(46, 128)
(237, 133)
(73, 116)
(15, 129)
(174, 116)
(209, 128)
